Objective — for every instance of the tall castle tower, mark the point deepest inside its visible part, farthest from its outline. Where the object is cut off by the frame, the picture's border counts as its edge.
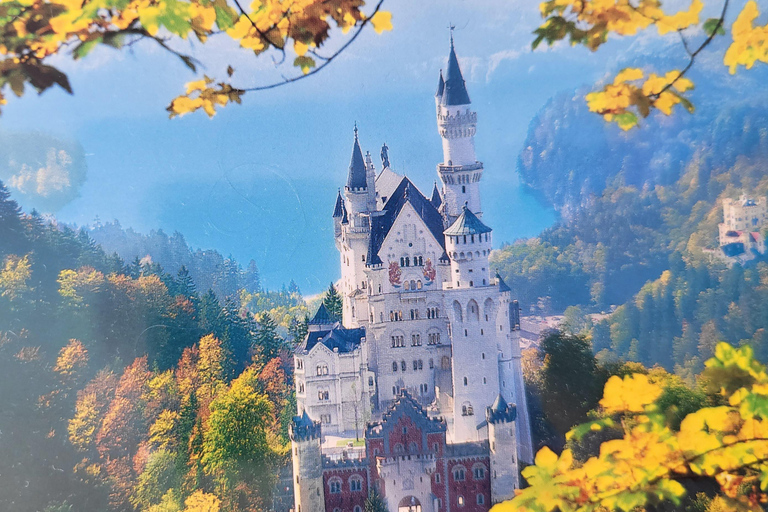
(460, 172)
(503, 443)
(307, 464)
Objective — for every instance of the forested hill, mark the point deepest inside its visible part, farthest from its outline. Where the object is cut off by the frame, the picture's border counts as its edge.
(123, 386)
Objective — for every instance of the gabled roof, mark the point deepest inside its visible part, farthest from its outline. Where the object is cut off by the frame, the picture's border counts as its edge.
(455, 92)
(467, 224)
(338, 210)
(406, 192)
(356, 178)
(436, 200)
(337, 337)
(323, 316)
(404, 405)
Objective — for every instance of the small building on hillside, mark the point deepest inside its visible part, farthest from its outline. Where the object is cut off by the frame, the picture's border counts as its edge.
(741, 232)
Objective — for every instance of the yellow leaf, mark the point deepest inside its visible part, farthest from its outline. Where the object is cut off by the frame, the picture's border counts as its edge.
(382, 21)
(300, 48)
(627, 75)
(631, 394)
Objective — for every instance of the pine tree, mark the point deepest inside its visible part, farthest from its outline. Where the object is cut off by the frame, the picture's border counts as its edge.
(298, 329)
(294, 288)
(333, 302)
(375, 502)
(267, 337)
(252, 278)
(184, 284)
(11, 229)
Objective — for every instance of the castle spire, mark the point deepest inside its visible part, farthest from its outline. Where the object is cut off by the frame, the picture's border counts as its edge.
(357, 178)
(455, 91)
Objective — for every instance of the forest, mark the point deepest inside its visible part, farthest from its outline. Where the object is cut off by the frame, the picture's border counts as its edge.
(130, 388)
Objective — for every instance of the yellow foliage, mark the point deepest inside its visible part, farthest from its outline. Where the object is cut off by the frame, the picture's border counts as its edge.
(750, 43)
(72, 358)
(728, 443)
(200, 501)
(14, 277)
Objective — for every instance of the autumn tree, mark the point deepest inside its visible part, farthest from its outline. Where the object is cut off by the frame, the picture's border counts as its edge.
(32, 33)
(636, 92)
(655, 457)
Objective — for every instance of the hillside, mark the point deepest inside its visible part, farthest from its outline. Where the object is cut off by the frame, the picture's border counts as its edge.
(123, 383)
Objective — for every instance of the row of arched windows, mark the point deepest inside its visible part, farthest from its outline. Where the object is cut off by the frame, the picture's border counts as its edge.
(478, 472)
(418, 364)
(355, 484)
(405, 261)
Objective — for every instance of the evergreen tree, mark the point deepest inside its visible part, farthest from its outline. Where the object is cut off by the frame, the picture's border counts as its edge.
(333, 302)
(11, 229)
(294, 288)
(298, 329)
(375, 502)
(184, 284)
(267, 338)
(251, 278)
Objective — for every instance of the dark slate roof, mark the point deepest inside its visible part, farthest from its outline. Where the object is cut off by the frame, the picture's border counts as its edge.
(304, 428)
(406, 192)
(733, 249)
(470, 449)
(322, 316)
(436, 200)
(502, 285)
(357, 177)
(467, 224)
(440, 86)
(345, 340)
(404, 405)
(501, 411)
(455, 92)
(338, 210)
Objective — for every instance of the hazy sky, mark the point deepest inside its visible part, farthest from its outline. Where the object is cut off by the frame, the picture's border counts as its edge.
(259, 179)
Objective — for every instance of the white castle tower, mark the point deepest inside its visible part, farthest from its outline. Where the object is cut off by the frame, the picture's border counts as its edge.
(460, 172)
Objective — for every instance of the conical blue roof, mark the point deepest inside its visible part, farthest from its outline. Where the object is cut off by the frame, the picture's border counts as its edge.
(322, 317)
(455, 92)
(440, 86)
(467, 224)
(502, 285)
(357, 178)
(338, 210)
(501, 411)
(436, 200)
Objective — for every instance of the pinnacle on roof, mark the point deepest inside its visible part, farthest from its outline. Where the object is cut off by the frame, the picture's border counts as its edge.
(440, 86)
(467, 224)
(338, 210)
(501, 411)
(322, 317)
(502, 285)
(436, 200)
(356, 179)
(455, 90)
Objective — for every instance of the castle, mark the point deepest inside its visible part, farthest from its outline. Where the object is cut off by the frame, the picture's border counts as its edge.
(740, 232)
(425, 363)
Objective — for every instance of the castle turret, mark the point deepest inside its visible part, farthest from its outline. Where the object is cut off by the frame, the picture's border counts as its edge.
(460, 171)
(468, 244)
(503, 443)
(338, 215)
(356, 190)
(307, 464)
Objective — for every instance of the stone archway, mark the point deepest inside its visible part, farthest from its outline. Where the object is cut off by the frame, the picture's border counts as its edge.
(409, 504)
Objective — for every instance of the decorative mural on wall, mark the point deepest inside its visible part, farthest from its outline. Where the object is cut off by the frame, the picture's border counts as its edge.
(429, 272)
(394, 274)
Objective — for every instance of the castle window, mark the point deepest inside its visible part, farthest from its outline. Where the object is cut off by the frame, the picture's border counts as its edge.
(461, 501)
(413, 284)
(421, 364)
(483, 355)
(415, 365)
(322, 369)
(322, 395)
(485, 381)
(363, 258)
(394, 366)
(478, 472)
(472, 238)
(437, 475)
(465, 381)
(465, 238)
(463, 189)
(394, 389)
(301, 387)
(402, 365)
(459, 474)
(421, 262)
(381, 316)
(415, 340)
(370, 382)
(431, 364)
(407, 261)
(399, 448)
(402, 261)
(471, 283)
(358, 509)
(480, 499)
(418, 284)
(335, 486)
(325, 419)
(407, 285)
(355, 484)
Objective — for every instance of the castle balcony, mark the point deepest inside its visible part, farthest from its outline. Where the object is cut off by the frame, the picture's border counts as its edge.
(467, 117)
(445, 168)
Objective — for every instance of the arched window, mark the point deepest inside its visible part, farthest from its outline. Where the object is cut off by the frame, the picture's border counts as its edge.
(421, 364)
(413, 284)
(394, 366)
(459, 474)
(457, 311)
(399, 448)
(358, 509)
(463, 189)
(407, 285)
(478, 472)
(465, 381)
(431, 364)
(407, 261)
(480, 499)
(415, 365)
(334, 485)
(402, 365)
(418, 284)
(322, 369)
(355, 484)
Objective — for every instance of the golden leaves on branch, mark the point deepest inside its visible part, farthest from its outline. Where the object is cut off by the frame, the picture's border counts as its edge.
(201, 94)
(33, 30)
(728, 443)
(634, 94)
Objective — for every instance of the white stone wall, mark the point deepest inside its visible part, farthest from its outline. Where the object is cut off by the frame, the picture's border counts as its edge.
(504, 461)
(472, 312)
(738, 217)
(469, 260)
